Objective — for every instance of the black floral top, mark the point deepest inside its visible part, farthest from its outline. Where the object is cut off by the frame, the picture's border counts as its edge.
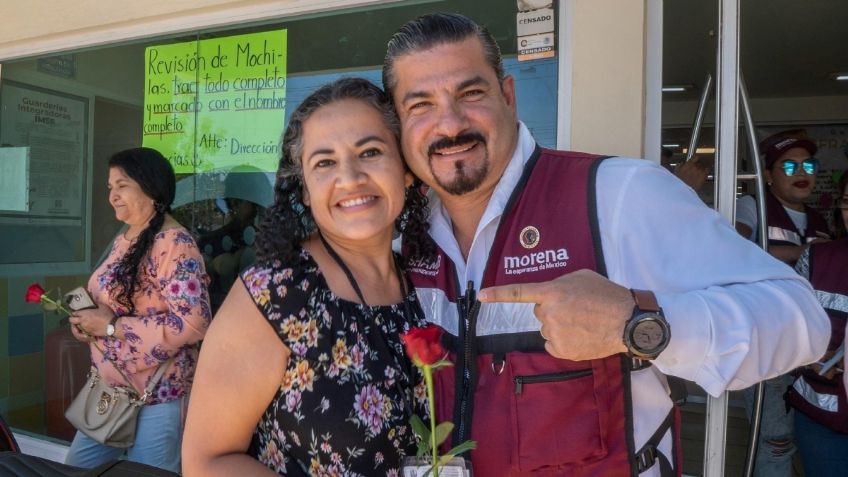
(344, 404)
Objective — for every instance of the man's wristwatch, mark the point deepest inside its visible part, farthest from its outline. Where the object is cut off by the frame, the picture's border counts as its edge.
(646, 333)
(110, 328)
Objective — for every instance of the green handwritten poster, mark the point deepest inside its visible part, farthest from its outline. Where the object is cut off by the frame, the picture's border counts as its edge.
(211, 105)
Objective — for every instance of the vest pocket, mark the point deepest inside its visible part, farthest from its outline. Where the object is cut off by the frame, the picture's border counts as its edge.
(556, 419)
(520, 381)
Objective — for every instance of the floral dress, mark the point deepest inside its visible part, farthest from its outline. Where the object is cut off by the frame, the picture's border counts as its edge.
(344, 404)
(171, 317)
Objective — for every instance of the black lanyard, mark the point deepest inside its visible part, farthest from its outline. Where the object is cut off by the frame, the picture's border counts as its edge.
(376, 339)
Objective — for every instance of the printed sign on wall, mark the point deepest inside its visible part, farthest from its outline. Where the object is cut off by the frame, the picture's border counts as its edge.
(215, 104)
(51, 127)
(535, 29)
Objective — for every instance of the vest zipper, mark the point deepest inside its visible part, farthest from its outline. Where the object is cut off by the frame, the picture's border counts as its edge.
(520, 381)
(468, 308)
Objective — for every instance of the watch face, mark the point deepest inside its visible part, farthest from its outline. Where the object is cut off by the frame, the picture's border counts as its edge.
(648, 335)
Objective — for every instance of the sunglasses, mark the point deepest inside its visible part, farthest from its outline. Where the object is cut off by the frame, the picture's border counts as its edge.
(810, 166)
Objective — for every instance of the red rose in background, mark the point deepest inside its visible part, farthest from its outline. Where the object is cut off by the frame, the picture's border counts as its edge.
(423, 345)
(34, 293)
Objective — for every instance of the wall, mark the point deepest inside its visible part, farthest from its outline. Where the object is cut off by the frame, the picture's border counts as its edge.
(40, 27)
(608, 50)
(38, 19)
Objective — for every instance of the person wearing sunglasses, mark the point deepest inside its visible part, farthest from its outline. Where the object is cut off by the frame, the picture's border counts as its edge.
(818, 393)
(790, 172)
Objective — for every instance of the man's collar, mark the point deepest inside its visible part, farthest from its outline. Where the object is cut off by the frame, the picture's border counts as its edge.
(511, 175)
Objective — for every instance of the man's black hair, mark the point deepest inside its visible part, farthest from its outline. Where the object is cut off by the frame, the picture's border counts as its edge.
(436, 29)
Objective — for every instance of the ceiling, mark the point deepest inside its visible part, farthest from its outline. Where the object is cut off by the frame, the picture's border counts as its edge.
(788, 48)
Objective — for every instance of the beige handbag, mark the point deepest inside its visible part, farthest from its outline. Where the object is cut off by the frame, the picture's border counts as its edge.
(109, 414)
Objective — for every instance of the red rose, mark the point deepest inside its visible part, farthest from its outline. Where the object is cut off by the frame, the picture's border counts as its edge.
(423, 345)
(34, 293)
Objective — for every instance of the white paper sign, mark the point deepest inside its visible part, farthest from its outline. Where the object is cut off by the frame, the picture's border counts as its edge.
(422, 470)
(535, 22)
(535, 29)
(455, 467)
(536, 46)
(53, 127)
(14, 179)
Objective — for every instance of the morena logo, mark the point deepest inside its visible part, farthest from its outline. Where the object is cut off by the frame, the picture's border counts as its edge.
(529, 237)
(533, 262)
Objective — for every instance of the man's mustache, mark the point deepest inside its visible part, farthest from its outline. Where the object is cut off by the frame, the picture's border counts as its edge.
(459, 140)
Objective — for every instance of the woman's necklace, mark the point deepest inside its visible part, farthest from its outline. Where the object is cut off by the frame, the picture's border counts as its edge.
(376, 339)
(335, 256)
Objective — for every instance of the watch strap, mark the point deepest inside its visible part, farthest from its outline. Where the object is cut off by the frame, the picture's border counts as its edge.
(645, 300)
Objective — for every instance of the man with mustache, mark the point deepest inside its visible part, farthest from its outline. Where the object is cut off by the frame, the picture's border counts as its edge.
(562, 282)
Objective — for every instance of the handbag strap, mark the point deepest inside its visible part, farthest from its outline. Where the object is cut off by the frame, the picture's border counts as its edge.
(157, 376)
(160, 371)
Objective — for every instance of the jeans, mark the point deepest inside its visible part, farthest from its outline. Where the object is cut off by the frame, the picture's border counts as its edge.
(776, 445)
(158, 438)
(824, 453)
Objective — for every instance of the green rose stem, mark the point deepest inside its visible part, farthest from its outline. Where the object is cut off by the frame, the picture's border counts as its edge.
(428, 378)
(56, 305)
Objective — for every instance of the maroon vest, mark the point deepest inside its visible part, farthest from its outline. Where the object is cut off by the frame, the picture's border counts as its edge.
(824, 400)
(531, 413)
(781, 229)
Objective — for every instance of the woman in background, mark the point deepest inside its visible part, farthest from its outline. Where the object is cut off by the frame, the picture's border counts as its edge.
(790, 172)
(153, 308)
(819, 398)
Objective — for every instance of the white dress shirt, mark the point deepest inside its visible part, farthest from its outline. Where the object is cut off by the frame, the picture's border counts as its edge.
(737, 315)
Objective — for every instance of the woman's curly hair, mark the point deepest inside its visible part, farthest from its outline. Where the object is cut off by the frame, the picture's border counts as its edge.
(288, 222)
(155, 176)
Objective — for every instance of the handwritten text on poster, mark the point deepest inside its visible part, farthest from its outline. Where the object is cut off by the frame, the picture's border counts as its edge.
(218, 103)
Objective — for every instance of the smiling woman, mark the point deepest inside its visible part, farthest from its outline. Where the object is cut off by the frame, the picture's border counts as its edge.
(331, 364)
(132, 206)
(354, 178)
(152, 311)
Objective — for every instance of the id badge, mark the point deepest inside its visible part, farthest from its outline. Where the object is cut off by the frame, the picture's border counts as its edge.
(414, 467)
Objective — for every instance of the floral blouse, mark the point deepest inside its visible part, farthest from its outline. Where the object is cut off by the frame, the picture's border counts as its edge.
(171, 317)
(344, 404)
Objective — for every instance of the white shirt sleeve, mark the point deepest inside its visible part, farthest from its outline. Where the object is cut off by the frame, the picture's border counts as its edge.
(737, 315)
(746, 213)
